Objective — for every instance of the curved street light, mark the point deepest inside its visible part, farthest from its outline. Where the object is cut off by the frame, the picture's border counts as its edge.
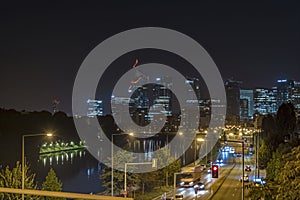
(23, 155)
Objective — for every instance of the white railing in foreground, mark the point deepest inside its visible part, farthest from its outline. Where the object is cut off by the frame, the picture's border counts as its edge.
(60, 194)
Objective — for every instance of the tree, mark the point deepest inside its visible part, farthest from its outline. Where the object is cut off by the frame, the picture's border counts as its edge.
(276, 163)
(148, 180)
(289, 177)
(52, 184)
(163, 156)
(286, 122)
(269, 133)
(120, 158)
(283, 180)
(264, 154)
(13, 179)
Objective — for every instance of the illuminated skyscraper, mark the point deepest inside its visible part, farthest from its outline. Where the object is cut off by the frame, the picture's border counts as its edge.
(284, 91)
(162, 94)
(95, 108)
(296, 96)
(265, 101)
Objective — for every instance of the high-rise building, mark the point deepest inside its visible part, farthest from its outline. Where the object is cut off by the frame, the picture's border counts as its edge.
(162, 94)
(296, 96)
(284, 91)
(233, 98)
(95, 108)
(195, 90)
(265, 101)
(246, 103)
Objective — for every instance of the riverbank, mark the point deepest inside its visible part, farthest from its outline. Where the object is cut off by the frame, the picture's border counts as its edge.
(59, 147)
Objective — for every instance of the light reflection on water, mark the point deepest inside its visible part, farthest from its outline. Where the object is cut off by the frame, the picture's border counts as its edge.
(80, 172)
(77, 170)
(61, 157)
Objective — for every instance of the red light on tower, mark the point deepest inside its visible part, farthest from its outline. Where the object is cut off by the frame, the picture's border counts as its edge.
(215, 171)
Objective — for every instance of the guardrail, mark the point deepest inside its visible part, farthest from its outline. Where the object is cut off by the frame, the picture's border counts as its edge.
(60, 194)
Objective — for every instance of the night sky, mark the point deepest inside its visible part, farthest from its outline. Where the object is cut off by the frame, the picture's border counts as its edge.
(44, 44)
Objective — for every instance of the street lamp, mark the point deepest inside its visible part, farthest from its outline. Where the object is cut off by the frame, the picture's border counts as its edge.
(256, 153)
(195, 151)
(112, 159)
(153, 163)
(23, 155)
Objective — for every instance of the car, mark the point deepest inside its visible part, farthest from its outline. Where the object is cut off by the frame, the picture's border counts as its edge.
(179, 196)
(199, 186)
(246, 178)
(259, 182)
(248, 168)
(209, 170)
(187, 184)
(227, 148)
(220, 160)
(238, 155)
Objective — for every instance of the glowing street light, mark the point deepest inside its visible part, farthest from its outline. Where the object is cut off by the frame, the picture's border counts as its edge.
(23, 156)
(112, 159)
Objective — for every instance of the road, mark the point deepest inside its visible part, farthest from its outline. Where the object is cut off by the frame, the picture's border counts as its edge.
(231, 187)
(224, 169)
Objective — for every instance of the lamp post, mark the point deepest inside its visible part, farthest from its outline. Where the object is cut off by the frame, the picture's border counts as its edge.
(256, 154)
(153, 163)
(174, 183)
(23, 155)
(112, 160)
(197, 140)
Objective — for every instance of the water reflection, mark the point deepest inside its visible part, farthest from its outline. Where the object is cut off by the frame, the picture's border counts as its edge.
(77, 170)
(61, 157)
(80, 172)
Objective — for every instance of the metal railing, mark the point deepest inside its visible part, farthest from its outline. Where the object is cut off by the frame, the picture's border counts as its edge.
(60, 194)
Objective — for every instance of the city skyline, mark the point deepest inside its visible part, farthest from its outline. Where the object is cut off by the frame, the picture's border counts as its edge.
(43, 46)
(245, 103)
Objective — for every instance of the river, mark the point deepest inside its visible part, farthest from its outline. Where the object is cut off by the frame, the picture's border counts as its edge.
(77, 169)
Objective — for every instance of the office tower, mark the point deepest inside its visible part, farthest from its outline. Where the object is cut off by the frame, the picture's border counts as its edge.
(162, 94)
(284, 91)
(246, 103)
(265, 101)
(94, 108)
(233, 99)
(296, 96)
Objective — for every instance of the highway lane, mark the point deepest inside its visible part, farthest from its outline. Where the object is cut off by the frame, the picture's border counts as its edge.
(232, 183)
(224, 168)
(232, 186)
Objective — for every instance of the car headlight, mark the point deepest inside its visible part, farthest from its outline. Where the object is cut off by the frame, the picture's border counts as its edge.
(182, 183)
(191, 183)
(202, 186)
